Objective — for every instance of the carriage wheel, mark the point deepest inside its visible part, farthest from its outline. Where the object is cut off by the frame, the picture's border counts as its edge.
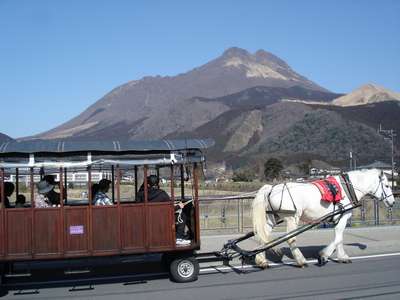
(184, 269)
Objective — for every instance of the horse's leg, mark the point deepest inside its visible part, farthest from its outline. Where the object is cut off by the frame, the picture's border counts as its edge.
(291, 223)
(341, 254)
(260, 259)
(336, 243)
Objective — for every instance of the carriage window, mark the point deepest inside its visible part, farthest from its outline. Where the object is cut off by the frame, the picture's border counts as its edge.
(183, 181)
(76, 187)
(103, 186)
(128, 184)
(22, 191)
(10, 193)
(17, 189)
(158, 189)
(164, 183)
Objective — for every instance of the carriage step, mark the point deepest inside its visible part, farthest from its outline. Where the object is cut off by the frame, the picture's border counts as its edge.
(17, 275)
(74, 272)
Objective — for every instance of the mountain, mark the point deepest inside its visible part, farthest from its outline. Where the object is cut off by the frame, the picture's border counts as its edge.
(5, 138)
(369, 93)
(154, 107)
(294, 132)
(374, 115)
(254, 106)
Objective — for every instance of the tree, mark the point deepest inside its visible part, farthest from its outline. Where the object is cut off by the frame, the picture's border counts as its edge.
(243, 175)
(272, 168)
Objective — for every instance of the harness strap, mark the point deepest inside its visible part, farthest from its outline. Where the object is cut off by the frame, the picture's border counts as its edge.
(348, 188)
(332, 189)
(276, 213)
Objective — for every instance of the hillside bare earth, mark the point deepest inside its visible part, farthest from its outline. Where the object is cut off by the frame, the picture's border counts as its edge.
(367, 94)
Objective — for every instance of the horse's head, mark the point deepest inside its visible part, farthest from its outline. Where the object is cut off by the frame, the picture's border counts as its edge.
(383, 190)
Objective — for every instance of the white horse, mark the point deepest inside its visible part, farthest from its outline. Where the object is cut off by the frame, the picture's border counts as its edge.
(302, 201)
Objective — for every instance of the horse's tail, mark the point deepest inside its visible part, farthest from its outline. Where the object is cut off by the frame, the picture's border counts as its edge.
(259, 214)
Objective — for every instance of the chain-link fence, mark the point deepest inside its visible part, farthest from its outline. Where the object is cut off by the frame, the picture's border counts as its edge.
(234, 214)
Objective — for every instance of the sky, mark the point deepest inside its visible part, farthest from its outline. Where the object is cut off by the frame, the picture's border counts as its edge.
(59, 57)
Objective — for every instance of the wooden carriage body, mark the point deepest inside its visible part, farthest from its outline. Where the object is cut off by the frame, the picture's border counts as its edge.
(71, 230)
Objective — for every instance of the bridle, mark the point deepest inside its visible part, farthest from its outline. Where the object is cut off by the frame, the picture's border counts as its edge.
(384, 196)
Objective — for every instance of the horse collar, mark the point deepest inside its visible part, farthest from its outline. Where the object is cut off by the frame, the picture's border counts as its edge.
(348, 188)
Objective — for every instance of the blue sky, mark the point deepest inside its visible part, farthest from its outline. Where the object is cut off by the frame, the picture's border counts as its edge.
(59, 57)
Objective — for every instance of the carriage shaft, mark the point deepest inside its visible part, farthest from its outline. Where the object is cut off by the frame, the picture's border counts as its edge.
(232, 244)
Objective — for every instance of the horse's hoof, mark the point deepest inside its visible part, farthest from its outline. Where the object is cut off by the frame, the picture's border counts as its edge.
(263, 266)
(305, 265)
(322, 261)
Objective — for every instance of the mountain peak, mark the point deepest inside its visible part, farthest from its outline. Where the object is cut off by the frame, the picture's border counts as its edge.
(261, 64)
(264, 56)
(235, 52)
(366, 94)
(372, 87)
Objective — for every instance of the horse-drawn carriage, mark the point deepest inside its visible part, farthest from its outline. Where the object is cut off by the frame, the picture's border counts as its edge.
(73, 227)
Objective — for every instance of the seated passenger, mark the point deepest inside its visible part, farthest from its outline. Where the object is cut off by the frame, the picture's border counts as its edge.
(8, 190)
(53, 196)
(20, 202)
(43, 188)
(155, 194)
(101, 197)
(94, 189)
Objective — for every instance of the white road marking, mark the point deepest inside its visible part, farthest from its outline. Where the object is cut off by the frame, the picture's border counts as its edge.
(217, 269)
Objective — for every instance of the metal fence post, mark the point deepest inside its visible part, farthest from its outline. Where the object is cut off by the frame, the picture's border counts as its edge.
(242, 215)
(238, 215)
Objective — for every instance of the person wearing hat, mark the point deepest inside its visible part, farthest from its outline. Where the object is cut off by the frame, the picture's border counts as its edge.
(43, 188)
(101, 197)
(53, 196)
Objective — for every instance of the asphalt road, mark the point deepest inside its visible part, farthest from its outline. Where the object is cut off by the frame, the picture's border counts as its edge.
(376, 277)
(373, 277)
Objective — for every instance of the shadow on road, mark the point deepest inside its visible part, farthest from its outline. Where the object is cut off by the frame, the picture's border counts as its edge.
(123, 273)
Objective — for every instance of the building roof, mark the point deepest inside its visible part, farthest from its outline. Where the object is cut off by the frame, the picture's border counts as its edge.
(376, 165)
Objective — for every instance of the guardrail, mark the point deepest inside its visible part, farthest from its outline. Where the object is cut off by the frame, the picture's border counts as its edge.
(233, 213)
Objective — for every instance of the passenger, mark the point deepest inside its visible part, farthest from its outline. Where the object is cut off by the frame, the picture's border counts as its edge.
(8, 190)
(155, 194)
(101, 197)
(95, 189)
(43, 188)
(20, 202)
(53, 196)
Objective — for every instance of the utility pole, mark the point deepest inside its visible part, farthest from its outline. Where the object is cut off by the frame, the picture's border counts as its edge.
(389, 134)
(351, 159)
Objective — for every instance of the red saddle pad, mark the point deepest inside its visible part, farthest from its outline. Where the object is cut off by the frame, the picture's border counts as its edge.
(330, 189)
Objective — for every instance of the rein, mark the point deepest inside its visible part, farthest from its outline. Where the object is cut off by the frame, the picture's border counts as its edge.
(383, 190)
(350, 184)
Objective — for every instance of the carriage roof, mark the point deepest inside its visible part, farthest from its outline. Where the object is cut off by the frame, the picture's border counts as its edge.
(110, 147)
(164, 151)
